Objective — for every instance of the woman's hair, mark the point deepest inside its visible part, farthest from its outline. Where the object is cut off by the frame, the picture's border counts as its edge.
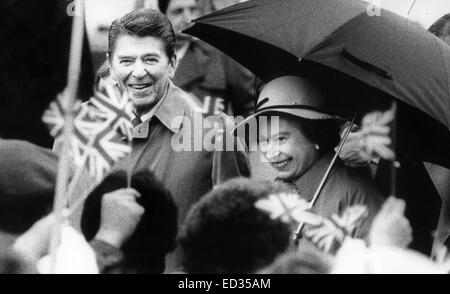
(225, 233)
(323, 132)
(143, 23)
(154, 236)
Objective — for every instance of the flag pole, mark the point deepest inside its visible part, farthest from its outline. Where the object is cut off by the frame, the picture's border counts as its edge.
(70, 93)
(395, 164)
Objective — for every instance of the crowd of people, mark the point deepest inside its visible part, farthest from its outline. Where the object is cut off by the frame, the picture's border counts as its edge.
(198, 209)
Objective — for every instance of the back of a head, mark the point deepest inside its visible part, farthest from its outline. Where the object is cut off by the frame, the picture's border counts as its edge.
(155, 234)
(27, 181)
(225, 233)
(11, 262)
(143, 23)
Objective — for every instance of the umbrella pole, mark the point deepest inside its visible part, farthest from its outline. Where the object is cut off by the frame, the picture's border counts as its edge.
(297, 234)
(395, 163)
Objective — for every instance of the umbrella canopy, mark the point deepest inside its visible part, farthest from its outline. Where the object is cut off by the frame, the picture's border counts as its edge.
(340, 45)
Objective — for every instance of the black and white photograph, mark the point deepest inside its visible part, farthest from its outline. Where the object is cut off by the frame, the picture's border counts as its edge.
(225, 138)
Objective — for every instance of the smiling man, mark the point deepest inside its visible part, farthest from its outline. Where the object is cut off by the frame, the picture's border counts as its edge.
(142, 67)
(214, 78)
(142, 60)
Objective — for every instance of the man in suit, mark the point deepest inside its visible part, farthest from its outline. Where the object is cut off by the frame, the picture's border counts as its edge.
(170, 127)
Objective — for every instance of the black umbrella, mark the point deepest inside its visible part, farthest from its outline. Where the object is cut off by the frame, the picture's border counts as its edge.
(356, 56)
(341, 46)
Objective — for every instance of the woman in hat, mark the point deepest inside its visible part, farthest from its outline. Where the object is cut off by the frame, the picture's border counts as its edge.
(299, 143)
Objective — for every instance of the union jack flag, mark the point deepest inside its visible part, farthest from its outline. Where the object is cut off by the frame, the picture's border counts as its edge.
(115, 106)
(287, 207)
(331, 232)
(107, 148)
(95, 140)
(85, 123)
(55, 116)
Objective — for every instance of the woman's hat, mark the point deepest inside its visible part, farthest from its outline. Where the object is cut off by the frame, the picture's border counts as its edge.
(292, 95)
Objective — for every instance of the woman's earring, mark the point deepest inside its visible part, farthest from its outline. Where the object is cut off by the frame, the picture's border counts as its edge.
(317, 147)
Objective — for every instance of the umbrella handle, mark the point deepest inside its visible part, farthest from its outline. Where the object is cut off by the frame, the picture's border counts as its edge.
(297, 234)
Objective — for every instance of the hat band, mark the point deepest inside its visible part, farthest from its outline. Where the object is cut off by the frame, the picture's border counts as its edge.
(305, 107)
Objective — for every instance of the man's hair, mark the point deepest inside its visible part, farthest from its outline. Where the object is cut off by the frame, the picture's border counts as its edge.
(155, 234)
(143, 23)
(225, 233)
(441, 27)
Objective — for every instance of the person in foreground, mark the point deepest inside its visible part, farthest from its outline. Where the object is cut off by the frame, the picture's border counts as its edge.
(225, 233)
(131, 229)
